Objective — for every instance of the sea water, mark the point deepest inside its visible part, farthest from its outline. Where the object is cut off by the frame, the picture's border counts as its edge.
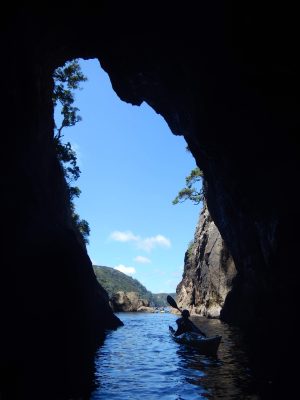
(141, 361)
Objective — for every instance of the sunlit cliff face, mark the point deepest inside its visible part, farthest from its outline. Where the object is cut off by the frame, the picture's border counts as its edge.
(224, 78)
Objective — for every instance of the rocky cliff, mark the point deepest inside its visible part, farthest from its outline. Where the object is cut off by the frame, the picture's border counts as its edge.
(128, 302)
(208, 271)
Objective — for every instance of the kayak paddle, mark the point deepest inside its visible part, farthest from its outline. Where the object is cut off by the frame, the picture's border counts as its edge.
(172, 302)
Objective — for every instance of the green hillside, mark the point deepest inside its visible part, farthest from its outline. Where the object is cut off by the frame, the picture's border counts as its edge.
(114, 281)
(160, 299)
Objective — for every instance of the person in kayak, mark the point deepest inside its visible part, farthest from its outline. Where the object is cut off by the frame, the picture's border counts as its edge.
(184, 324)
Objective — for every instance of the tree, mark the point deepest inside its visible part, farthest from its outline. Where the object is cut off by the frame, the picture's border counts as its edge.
(190, 192)
(67, 79)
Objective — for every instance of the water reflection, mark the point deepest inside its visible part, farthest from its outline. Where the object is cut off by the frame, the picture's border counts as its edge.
(141, 361)
(228, 376)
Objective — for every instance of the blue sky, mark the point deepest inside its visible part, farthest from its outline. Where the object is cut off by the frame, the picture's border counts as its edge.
(132, 167)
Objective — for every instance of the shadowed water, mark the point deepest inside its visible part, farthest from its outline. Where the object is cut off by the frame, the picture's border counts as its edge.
(141, 361)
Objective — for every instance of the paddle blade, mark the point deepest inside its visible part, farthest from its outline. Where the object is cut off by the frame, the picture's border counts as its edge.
(172, 302)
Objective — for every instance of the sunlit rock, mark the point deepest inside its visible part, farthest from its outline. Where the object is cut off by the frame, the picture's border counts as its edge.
(146, 309)
(208, 271)
(127, 301)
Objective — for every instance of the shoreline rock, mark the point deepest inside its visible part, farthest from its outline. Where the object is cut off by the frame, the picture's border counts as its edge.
(208, 271)
(128, 301)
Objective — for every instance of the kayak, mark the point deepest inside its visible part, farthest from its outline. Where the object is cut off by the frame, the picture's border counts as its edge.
(205, 345)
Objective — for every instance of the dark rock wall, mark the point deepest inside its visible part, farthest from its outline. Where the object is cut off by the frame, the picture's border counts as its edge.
(208, 271)
(223, 74)
(53, 311)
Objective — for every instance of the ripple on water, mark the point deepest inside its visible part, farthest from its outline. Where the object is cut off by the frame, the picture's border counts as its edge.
(141, 361)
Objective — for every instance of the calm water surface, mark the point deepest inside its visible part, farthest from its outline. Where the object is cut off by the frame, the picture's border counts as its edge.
(141, 361)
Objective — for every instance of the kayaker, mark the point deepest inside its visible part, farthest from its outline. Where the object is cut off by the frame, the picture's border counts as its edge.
(186, 325)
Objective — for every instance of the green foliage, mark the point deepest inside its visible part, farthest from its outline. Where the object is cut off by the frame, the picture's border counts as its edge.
(114, 281)
(190, 248)
(82, 226)
(74, 191)
(68, 159)
(160, 299)
(67, 79)
(190, 192)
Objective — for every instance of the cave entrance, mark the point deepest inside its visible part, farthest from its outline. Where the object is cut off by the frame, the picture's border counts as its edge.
(132, 167)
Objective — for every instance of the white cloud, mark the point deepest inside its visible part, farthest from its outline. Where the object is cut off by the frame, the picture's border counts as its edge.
(127, 236)
(125, 270)
(142, 260)
(147, 244)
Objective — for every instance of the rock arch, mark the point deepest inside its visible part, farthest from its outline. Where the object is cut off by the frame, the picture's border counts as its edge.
(225, 77)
